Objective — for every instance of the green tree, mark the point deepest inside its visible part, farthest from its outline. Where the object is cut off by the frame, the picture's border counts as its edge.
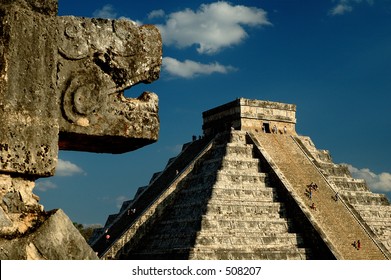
(86, 232)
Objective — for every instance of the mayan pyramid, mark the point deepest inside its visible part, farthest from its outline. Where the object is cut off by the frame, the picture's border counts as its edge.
(242, 192)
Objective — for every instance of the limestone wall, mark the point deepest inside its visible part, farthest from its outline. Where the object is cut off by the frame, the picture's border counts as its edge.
(256, 113)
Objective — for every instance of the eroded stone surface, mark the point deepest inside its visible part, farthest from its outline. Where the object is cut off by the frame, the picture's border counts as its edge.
(28, 103)
(98, 60)
(67, 91)
(61, 86)
(19, 207)
(55, 239)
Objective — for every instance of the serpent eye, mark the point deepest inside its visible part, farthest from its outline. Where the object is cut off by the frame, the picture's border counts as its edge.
(73, 44)
(73, 31)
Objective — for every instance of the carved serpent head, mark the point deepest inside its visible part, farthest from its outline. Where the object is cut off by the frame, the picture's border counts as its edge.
(98, 59)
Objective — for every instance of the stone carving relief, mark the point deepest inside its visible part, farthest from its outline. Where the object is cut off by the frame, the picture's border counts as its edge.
(99, 59)
(62, 83)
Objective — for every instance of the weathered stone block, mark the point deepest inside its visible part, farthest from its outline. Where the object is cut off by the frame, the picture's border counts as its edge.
(28, 103)
(18, 206)
(61, 86)
(46, 7)
(54, 239)
(62, 81)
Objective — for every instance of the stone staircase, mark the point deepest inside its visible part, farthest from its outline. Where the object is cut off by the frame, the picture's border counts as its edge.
(374, 209)
(334, 221)
(117, 224)
(224, 209)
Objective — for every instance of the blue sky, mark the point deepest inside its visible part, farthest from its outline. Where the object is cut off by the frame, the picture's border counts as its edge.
(331, 58)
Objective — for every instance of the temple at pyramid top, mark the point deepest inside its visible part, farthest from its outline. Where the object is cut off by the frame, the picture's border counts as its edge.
(251, 115)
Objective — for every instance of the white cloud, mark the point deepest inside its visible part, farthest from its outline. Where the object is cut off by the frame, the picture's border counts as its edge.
(212, 27)
(346, 6)
(67, 168)
(341, 9)
(376, 182)
(107, 11)
(45, 185)
(189, 68)
(156, 14)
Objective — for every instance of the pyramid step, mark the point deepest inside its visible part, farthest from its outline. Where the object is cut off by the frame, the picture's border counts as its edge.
(229, 185)
(236, 151)
(376, 208)
(110, 219)
(154, 176)
(240, 144)
(212, 224)
(180, 212)
(243, 194)
(379, 223)
(209, 165)
(248, 217)
(244, 241)
(272, 205)
(349, 185)
(240, 179)
(251, 234)
(167, 241)
(377, 219)
(254, 186)
(241, 172)
(251, 228)
(383, 233)
(171, 223)
(229, 209)
(373, 212)
(269, 225)
(242, 211)
(177, 229)
(217, 151)
(200, 180)
(237, 136)
(208, 254)
(365, 198)
(125, 205)
(242, 164)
